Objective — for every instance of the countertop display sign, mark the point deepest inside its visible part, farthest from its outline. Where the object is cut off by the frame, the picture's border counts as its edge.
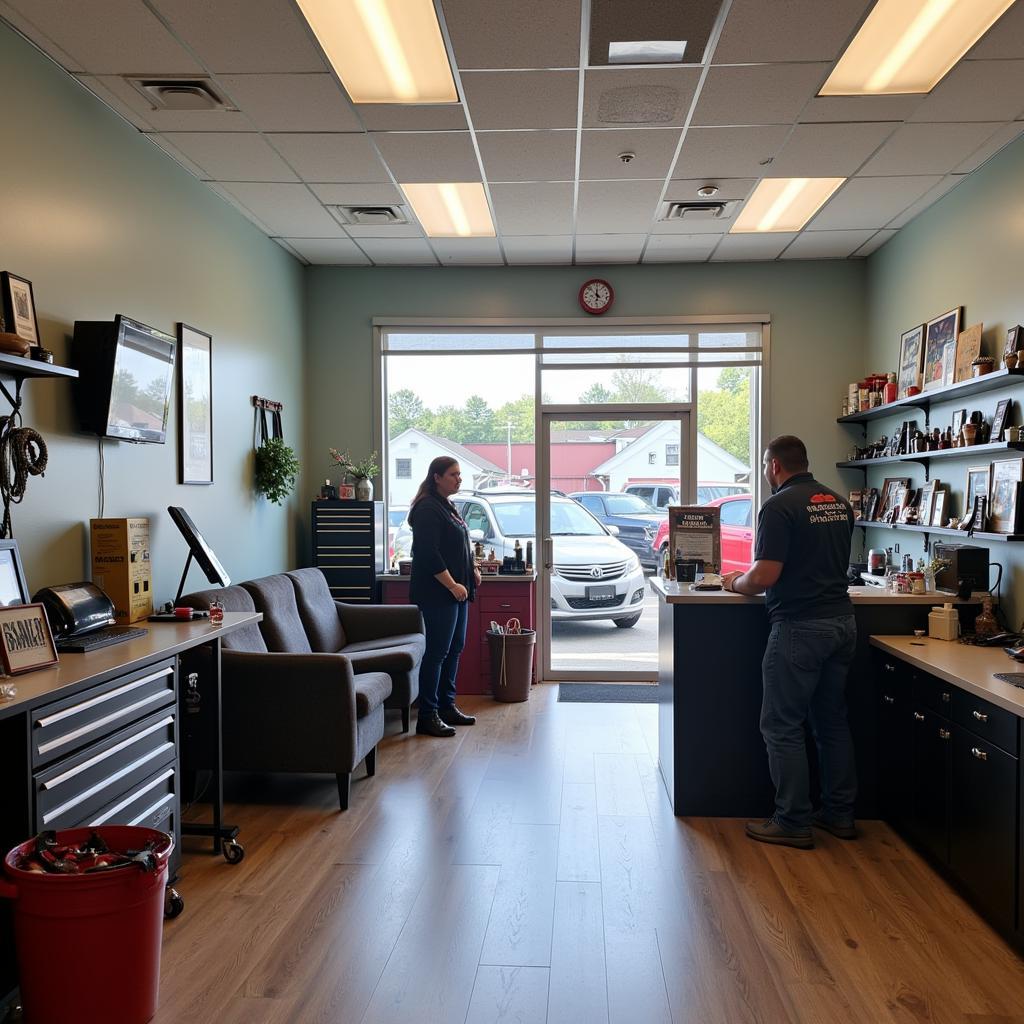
(695, 532)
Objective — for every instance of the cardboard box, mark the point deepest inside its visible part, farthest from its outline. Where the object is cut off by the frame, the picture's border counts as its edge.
(121, 567)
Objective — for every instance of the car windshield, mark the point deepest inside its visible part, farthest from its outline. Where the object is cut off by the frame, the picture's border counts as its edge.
(516, 519)
(627, 504)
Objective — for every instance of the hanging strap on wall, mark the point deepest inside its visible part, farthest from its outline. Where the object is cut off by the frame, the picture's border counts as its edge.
(261, 433)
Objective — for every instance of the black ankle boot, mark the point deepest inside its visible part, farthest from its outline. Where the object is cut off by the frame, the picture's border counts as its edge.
(453, 716)
(432, 725)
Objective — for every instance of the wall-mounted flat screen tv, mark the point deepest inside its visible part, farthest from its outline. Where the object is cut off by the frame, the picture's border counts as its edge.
(125, 374)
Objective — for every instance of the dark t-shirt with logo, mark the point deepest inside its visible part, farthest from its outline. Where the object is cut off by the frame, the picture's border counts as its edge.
(807, 527)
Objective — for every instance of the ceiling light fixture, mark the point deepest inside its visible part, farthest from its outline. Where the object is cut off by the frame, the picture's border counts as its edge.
(451, 209)
(908, 46)
(384, 51)
(647, 51)
(784, 204)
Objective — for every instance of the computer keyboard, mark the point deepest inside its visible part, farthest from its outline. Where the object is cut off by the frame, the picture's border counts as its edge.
(99, 638)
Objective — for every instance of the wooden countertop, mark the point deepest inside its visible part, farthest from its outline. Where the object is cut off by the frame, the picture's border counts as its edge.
(674, 593)
(970, 668)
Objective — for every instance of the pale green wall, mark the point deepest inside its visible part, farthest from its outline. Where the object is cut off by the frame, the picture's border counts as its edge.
(102, 223)
(967, 250)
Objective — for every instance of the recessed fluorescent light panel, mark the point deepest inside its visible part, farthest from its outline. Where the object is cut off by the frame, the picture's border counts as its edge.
(451, 210)
(784, 204)
(908, 46)
(654, 51)
(384, 51)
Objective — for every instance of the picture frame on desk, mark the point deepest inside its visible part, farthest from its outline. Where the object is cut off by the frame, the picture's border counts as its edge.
(26, 642)
(1004, 491)
(195, 406)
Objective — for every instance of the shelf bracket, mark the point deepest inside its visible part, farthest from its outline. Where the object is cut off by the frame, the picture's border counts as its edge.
(15, 399)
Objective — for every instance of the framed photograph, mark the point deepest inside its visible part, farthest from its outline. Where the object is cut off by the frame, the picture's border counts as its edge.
(999, 420)
(19, 306)
(911, 355)
(926, 503)
(968, 348)
(1002, 503)
(887, 499)
(940, 507)
(1014, 340)
(26, 642)
(976, 487)
(907, 505)
(959, 419)
(940, 349)
(871, 505)
(195, 406)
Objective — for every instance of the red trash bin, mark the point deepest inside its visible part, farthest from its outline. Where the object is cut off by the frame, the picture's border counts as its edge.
(89, 944)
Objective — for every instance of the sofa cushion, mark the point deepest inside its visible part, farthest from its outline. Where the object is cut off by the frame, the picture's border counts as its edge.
(398, 640)
(372, 689)
(281, 626)
(234, 599)
(385, 659)
(317, 610)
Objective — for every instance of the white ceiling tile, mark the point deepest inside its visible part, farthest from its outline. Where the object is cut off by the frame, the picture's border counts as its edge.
(428, 156)
(533, 208)
(528, 156)
(175, 154)
(689, 226)
(522, 99)
(609, 248)
(626, 206)
(99, 89)
(928, 148)
(416, 117)
(680, 248)
(757, 94)
(348, 158)
(1003, 39)
(1001, 138)
(930, 197)
(288, 210)
(214, 186)
(225, 120)
(826, 245)
(628, 96)
(466, 251)
(292, 103)
(30, 31)
(795, 30)
(522, 250)
(399, 251)
(652, 149)
(358, 195)
(526, 34)
(752, 246)
(232, 156)
(860, 108)
(685, 190)
(410, 230)
(329, 251)
(829, 150)
(125, 37)
(875, 242)
(729, 152)
(255, 36)
(871, 202)
(976, 90)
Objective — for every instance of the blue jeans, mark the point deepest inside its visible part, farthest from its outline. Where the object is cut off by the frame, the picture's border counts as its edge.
(445, 628)
(805, 667)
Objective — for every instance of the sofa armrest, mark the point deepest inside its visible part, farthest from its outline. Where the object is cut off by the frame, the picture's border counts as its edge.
(372, 622)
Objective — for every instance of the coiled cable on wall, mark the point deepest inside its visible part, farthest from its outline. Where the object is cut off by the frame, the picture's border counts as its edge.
(22, 454)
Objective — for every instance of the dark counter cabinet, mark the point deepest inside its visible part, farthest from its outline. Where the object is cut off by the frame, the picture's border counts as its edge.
(950, 782)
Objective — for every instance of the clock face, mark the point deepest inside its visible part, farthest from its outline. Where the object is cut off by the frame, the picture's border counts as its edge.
(596, 296)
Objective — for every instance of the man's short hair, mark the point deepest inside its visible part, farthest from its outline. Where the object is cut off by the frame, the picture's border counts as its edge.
(790, 452)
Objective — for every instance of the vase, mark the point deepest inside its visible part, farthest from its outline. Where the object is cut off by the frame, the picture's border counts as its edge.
(364, 489)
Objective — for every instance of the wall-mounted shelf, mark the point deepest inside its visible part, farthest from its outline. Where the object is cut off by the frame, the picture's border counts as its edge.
(18, 369)
(950, 393)
(944, 531)
(924, 458)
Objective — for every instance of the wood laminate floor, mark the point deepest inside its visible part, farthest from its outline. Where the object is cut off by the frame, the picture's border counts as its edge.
(531, 870)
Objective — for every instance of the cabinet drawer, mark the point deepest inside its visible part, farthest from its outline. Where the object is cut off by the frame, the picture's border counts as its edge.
(99, 776)
(66, 725)
(935, 694)
(518, 605)
(994, 724)
(153, 803)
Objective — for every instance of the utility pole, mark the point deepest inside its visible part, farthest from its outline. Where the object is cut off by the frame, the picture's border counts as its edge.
(509, 451)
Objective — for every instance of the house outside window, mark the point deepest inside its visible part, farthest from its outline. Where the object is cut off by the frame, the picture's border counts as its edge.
(403, 469)
(671, 455)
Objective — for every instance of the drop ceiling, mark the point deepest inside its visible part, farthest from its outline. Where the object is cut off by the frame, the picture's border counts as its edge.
(542, 130)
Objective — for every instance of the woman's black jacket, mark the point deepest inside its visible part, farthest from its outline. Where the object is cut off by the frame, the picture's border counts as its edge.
(440, 541)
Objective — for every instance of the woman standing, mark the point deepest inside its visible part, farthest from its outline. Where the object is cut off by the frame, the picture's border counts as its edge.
(444, 581)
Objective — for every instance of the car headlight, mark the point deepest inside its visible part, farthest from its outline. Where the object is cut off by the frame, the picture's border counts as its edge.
(633, 564)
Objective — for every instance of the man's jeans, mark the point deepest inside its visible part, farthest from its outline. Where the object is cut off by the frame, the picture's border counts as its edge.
(805, 667)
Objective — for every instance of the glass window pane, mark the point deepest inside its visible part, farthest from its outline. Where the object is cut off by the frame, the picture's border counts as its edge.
(395, 341)
(618, 342)
(629, 385)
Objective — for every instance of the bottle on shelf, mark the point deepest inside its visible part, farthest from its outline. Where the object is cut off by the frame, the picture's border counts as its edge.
(890, 390)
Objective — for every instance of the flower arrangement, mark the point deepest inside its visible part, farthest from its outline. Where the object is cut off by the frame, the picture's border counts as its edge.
(362, 470)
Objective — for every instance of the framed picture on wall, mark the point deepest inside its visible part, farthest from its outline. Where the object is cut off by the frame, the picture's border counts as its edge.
(940, 349)
(195, 406)
(911, 354)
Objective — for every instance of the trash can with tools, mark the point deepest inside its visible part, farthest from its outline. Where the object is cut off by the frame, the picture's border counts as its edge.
(511, 664)
(89, 942)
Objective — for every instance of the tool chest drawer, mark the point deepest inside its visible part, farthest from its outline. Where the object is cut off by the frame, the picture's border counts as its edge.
(153, 803)
(75, 722)
(101, 775)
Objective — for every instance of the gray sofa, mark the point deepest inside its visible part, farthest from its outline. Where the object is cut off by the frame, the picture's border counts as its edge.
(305, 691)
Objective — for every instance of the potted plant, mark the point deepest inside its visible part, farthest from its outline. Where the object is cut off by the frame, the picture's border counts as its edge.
(276, 469)
(361, 472)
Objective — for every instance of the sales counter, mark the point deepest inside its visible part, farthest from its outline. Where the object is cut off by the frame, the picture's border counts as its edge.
(710, 645)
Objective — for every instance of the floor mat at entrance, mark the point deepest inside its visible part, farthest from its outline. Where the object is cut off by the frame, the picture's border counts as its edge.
(608, 693)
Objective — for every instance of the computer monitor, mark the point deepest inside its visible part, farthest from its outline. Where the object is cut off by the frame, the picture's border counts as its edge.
(198, 549)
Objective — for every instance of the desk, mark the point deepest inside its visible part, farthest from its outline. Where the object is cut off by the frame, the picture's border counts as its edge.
(124, 696)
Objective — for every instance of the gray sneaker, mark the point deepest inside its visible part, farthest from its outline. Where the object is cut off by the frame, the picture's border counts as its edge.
(848, 831)
(771, 831)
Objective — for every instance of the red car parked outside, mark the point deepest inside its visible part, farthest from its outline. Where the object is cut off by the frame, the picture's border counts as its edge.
(737, 532)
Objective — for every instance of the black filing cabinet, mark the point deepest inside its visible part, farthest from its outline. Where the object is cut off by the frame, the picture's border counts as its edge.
(895, 740)
(349, 546)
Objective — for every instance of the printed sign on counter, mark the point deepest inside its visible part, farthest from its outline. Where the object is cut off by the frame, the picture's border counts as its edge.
(695, 532)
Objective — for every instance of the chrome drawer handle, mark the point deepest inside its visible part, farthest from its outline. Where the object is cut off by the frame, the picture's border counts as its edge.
(103, 755)
(944, 734)
(981, 755)
(44, 723)
(946, 696)
(918, 716)
(131, 798)
(163, 801)
(505, 604)
(888, 667)
(979, 716)
(100, 723)
(888, 699)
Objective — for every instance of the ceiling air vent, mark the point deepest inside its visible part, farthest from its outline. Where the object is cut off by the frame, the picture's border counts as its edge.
(180, 93)
(695, 211)
(371, 216)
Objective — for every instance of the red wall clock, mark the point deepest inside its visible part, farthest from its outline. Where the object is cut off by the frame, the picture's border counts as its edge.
(596, 296)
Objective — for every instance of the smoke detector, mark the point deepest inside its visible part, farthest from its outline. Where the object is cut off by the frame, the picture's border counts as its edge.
(179, 93)
(370, 216)
(707, 191)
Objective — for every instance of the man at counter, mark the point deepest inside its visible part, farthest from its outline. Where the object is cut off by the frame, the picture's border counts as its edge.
(802, 553)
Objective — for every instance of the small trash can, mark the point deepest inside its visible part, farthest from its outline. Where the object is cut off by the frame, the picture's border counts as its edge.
(511, 664)
(89, 944)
